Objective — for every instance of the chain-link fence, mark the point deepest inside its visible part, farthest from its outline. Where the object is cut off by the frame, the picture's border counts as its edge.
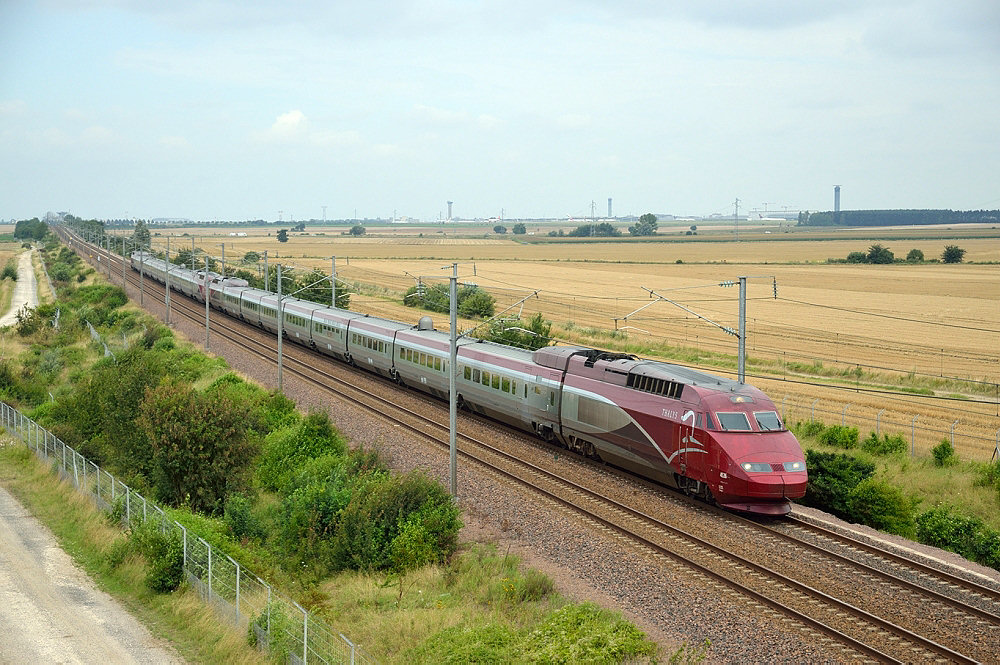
(921, 436)
(276, 622)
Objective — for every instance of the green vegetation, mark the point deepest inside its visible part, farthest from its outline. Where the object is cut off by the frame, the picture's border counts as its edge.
(519, 229)
(952, 254)
(879, 485)
(602, 230)
(646, 226)
(473, 302)
(531, 334)
(30, 229)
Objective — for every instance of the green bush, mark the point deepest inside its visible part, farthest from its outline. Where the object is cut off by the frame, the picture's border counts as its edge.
(967, 536)
(881, 506)
(832, 476)
(989, 475)
(9, 271)
(493, 642)
(944, 453)
(377, 514)
(238, 516)
(201, 453)
(287, 450)
(585, 633)
(809, 428)
(164, 554)
(266, 411)
(887, 444)
(839, 436)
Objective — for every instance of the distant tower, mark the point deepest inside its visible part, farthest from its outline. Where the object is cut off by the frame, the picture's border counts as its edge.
(449, 210)
(836, 199)
(609, 207)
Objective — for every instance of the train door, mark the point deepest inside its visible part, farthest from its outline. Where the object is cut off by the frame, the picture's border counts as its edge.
(686, 432)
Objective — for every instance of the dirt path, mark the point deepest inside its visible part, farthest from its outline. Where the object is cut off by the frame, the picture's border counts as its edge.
(25, 291)
(50, 610)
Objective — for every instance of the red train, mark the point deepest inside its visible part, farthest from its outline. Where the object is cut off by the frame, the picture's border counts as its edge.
(706, 435)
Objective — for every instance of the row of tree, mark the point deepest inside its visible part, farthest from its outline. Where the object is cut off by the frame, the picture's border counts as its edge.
(883, 255)
(896, 217)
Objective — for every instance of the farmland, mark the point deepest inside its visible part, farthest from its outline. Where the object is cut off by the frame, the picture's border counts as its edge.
(843, 342)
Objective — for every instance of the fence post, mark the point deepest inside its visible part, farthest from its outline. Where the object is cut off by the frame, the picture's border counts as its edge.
(878, 421)
(953, 434)
(812, 412)
(996, 449)
(305, 633)
(184, 539)
(843, 416)
(128, 506)
(913, 434)
(209, 569)
(782, 412)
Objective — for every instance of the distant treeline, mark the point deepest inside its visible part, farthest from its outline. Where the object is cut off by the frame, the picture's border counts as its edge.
(896, 217)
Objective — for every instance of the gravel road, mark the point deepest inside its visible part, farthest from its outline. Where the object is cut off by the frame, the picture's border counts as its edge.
(25, 291)
(51, 612)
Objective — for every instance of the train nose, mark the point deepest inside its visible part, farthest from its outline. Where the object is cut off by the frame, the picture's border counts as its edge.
(780, 484)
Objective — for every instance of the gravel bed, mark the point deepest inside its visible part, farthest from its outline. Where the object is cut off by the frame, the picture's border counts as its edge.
(665, 599)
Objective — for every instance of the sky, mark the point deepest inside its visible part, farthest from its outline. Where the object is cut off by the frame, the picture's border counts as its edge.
(522, 108)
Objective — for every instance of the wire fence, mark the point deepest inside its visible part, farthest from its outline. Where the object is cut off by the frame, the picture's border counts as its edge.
(922, 437)
(276, 622)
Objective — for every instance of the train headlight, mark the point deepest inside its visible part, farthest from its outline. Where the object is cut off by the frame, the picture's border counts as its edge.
(756, 467)
(795, 466)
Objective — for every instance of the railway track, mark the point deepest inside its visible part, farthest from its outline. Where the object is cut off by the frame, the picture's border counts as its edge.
(821, 614)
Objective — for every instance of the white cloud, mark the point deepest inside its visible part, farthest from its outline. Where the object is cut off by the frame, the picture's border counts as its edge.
(175, 143)
(289, 125)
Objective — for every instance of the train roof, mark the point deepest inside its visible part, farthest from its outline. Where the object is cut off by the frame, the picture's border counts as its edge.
(633, 367)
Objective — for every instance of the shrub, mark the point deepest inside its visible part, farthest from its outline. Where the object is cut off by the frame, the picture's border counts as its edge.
(832, 476)
(586, 633)
(287, 450)
(881, 506)
(9, 271)
(238, 516)
(164, 554)
(915, 256)
(887, 444)
(809, 428)
(839, 436)
(944, 453)
(967, 536)
(377, 514)
(200, 448)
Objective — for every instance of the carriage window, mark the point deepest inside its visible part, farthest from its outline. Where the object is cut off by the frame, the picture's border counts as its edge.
(505, 385)
(467, 373)
(735, 421)
(475, 376)
(402, 353)
(486, 378)
(496, 381)
(767, 420)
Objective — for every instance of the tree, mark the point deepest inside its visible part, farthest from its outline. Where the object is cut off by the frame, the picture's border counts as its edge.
(200, 448)
(251, 257)
(140, 235)
(606, 230)
(301, 226)
(879, 254)
(694, 228)
(30, 229)
(357, 230)
(953, 254)
(532, 334)
(282, 235)
(857, 257)
(500, 228)
(519, 229)
(915, 256)
(645, 227)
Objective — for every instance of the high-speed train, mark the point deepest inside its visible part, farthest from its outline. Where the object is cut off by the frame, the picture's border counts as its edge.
(709, 436)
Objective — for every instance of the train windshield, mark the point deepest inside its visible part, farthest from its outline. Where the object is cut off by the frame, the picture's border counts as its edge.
(767, 420)
(735, 420)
